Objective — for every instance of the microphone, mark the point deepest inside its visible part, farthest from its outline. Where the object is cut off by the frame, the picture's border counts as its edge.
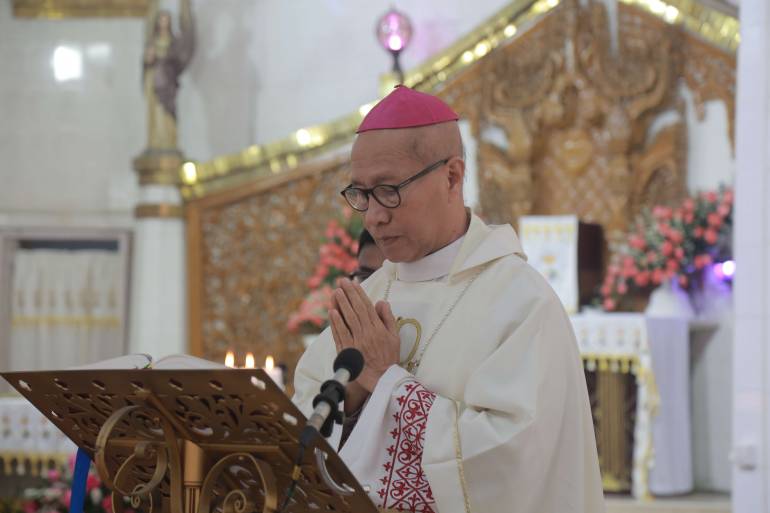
(347, 366)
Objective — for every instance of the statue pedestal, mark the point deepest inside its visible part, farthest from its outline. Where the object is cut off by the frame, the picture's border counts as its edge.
(159, 167)
(158, 304)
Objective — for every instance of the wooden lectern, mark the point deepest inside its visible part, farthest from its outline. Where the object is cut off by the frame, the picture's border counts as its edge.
(193, 441)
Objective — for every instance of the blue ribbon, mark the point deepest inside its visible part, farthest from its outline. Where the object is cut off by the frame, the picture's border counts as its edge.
(79, 478)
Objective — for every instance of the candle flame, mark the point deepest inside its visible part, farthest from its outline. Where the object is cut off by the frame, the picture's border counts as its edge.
(269, 363)
(230, 359)
(250, 361)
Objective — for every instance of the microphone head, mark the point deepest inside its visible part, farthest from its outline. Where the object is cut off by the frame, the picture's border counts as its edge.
(350, 359)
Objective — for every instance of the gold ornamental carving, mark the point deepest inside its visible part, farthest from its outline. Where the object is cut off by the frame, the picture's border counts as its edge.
(564, 124)
(190, 441)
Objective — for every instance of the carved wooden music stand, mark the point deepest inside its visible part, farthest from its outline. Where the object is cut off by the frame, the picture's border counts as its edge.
(192, 441)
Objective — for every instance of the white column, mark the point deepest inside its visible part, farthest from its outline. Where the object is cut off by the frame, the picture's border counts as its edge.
(158, 296)
(751, 363)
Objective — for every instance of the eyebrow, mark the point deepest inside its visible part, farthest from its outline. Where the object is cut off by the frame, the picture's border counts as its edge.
(379, 179)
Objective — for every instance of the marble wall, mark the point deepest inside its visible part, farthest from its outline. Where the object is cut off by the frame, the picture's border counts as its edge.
(66, 143)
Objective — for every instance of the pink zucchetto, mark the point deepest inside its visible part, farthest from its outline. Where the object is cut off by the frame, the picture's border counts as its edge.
(407, 108)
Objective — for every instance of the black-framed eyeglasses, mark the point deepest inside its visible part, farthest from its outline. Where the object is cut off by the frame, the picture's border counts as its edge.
(386, 195)
(361, 274)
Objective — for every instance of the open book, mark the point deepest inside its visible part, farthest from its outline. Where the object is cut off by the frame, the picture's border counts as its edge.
(144, 361)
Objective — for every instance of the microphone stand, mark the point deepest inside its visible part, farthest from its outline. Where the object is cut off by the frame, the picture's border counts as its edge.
(347, 366)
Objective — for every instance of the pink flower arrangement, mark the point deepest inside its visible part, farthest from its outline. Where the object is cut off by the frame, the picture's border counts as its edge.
(56, 495)
(336, 259)
(671, 243)
(313, 310)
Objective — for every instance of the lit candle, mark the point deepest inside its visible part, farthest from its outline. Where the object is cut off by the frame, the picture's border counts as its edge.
(230, 359)
(250, 361)
(275, 373)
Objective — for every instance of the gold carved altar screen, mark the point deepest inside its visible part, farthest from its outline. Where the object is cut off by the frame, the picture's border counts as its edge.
(566, 121)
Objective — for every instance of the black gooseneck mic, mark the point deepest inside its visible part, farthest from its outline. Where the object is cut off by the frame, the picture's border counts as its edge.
(347, 366)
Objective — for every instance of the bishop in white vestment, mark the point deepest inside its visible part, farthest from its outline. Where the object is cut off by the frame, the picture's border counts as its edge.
(473, 398)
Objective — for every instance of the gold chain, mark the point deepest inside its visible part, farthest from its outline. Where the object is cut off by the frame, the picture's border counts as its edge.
(413, 365)
(459, 459)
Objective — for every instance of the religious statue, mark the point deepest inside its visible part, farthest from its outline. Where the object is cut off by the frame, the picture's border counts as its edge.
(166, 55)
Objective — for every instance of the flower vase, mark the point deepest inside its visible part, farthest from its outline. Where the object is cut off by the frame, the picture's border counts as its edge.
(712, 297)
(669, 300)
(634, 301)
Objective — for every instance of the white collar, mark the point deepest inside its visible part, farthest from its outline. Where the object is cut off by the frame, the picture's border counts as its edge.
(431, 267)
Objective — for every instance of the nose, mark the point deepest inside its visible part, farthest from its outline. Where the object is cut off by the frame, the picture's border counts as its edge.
(376, 214)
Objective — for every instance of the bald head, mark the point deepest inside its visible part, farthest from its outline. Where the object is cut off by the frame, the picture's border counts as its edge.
(435, 142)
(431, 214)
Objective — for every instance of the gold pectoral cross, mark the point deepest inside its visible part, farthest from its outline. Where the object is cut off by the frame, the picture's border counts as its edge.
(410, 364)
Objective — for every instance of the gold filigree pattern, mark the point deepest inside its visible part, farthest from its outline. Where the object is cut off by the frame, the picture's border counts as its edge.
(239, 472)
(238, 435)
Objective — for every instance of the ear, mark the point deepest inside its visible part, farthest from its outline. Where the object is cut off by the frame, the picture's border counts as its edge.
(456, 175)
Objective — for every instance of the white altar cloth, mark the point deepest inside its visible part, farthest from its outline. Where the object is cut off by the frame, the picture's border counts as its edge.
(658, 347)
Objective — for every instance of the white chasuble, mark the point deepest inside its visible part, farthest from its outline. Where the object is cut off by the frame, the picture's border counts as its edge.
(496, 416)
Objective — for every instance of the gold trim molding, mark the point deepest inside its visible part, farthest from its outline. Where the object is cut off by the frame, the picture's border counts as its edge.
(57, 9)
(159, 210)
(159, 168)
(714, 26)
(708, 23)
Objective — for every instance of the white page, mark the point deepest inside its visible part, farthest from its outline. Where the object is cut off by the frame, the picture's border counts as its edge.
(129, 361)
(184, 361)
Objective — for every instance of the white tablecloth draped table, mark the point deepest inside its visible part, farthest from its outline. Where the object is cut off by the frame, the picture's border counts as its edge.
(29, 441)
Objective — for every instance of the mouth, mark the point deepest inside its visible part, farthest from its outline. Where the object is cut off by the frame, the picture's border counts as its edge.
(387, 241)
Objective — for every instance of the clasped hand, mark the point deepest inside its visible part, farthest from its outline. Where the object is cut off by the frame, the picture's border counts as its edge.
(371, 329)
